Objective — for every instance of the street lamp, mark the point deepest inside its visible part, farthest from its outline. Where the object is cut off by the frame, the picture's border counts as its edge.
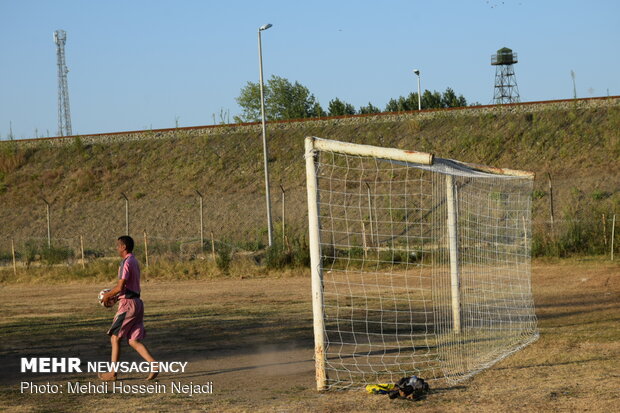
(417, 72)
(265, 151)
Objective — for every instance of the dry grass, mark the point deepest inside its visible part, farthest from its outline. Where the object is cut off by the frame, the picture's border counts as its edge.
(253, 339)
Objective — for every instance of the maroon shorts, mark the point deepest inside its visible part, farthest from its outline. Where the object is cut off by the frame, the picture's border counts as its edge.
(129, 320)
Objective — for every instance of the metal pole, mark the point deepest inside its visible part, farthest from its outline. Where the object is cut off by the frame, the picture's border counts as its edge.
(265, 149)
(126, 213)
(419, 96)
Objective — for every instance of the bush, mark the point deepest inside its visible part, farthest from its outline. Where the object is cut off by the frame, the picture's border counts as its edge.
(293, 254)
(276, 257)
(56, 255)
(224, 256)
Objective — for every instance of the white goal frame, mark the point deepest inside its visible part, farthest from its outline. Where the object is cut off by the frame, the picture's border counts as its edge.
(314, 146)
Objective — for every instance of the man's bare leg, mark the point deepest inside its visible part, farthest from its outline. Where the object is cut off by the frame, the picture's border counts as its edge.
(116, 354)
(146, 355)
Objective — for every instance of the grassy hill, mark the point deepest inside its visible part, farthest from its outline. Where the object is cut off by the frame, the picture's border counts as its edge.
(576, 142)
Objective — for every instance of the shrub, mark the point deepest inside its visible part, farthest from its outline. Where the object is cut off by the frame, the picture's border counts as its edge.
(56, 255)
(224, 256)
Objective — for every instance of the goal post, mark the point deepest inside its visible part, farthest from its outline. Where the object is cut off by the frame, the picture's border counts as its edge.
(420, 265)
(315, 265)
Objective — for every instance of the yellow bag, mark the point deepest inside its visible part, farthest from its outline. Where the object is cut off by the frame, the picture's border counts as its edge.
(382, 388)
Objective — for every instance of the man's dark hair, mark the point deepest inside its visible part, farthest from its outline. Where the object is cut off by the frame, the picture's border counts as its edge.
(127, 241)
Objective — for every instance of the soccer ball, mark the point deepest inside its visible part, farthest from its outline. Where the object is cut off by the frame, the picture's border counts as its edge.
(111, 302)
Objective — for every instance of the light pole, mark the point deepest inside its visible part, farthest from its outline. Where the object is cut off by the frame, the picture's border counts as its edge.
(265, 150)
(417, 72)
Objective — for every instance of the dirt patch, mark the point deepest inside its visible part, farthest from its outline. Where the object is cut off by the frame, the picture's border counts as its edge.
(252, 340)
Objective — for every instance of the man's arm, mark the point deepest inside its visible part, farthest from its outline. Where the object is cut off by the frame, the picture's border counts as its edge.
(120, 285)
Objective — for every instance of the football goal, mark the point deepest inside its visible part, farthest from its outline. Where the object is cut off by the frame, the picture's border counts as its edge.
(420, 265)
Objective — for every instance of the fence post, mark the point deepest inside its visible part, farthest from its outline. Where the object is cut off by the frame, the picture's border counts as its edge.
(202, 239)
(613, 232)
(49, 233)
(82, 249)
(146, 250)
(15, 266)
(551, 204)
(370, 216)
(283, 212)
(365, 245)
(126, 213)
(212, 246)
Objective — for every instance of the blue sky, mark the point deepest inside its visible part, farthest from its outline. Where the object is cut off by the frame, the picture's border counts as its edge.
(148, 64)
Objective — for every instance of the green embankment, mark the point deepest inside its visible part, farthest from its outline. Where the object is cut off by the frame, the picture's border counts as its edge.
(576, 144)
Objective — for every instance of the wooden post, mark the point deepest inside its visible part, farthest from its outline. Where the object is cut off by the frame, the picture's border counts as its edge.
(82, 249)
(613, 232)
(15, 265)
(288, 246)
(49, 232)
(146, 250)
(315, 266)
(202, 239)
(126, 213)
(283, 212)
(551, 204)
(364, 240)
(370, 216)
(212, 246)
(604, 230)
(451, 200)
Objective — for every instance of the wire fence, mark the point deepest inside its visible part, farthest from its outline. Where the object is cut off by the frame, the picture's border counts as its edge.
(196, 225)
(182, 228)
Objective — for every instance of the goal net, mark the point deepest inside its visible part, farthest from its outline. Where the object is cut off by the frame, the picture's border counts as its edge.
(420, 265)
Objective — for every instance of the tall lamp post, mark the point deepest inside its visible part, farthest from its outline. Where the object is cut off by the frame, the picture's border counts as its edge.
(417, 72)
(265, 151)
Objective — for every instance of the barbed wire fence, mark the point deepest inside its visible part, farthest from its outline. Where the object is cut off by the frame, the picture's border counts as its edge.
(200, 224)
(181, 228)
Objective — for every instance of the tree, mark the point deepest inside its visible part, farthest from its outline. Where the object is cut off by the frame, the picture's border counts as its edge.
(450, 100)
(317, 111)
(283, 100)
(431, 100)
(249, 100)
(338, 107)
(403, 103)
(369, 109)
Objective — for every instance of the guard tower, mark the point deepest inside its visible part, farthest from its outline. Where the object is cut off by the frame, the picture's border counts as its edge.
(506, 90)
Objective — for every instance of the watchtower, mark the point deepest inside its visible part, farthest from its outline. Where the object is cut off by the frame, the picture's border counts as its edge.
(506, 90)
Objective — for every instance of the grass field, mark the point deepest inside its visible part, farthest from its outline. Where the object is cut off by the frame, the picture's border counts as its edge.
(252, 338)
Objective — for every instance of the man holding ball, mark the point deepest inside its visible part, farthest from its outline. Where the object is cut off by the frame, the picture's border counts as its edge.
(129, 319)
